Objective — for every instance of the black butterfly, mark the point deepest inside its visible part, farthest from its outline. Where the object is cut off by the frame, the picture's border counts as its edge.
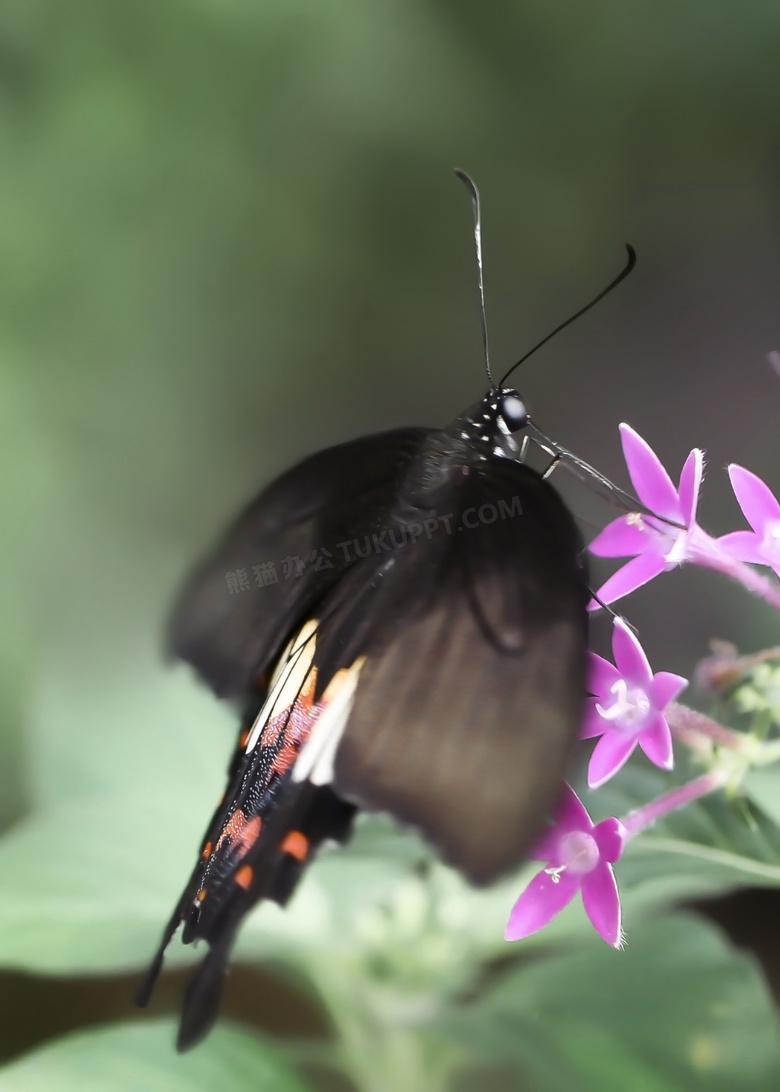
(421, 652)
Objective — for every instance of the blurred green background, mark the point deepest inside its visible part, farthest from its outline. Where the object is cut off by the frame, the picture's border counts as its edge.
(230, 235)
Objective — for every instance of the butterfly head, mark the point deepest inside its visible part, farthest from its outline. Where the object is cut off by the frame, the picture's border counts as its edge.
(490, 425)
(510, 411)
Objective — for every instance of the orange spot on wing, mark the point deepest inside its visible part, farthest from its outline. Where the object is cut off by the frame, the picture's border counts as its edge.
(244, 738)
(206, 851)
(296, 844)
(201, 895)
(244, 876)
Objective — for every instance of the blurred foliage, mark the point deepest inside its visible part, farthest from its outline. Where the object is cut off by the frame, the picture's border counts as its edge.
(129, 1057)
(228, 236)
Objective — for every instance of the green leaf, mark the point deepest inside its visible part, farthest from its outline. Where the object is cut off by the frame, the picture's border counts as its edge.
(678, 1009)
(89, 886)
(141, 1056)
(762, 785)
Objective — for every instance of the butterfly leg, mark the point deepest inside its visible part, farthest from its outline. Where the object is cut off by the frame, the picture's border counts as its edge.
(592, 477)
(556, 459)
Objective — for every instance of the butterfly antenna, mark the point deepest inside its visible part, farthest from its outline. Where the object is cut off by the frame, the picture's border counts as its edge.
(605, 292)
(475, 204)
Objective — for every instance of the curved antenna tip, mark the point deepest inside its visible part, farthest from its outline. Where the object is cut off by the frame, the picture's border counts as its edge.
(612, 284)
(466, 179)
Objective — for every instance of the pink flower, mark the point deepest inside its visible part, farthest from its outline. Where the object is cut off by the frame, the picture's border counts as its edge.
(580, 857)
(628, 707)
(761, 509)
(658, 544)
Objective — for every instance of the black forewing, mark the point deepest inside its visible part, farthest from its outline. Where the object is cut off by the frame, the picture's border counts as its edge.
(327, 499)
(472, 691)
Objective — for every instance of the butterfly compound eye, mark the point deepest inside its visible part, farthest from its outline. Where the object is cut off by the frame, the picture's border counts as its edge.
(512, 409)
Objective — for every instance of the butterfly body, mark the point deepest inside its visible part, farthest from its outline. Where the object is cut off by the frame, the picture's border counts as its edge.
(433, 668)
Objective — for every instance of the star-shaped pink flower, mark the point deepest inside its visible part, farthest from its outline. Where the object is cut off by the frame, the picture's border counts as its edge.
(580, 857)
(627, 708)
(761, 509)
(658, 545)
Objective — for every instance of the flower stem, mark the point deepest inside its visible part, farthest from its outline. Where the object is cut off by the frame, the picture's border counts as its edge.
(711, 557)
(677, 798)
(723, 669)
(699, 732)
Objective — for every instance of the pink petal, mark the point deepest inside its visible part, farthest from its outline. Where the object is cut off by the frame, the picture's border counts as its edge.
(602, 675)
(602, 903)
(609, 754)
(621, 538)
(664, 688)
(569, 815)
(635, 573)
(593, 724)
(652, 484)
(548, 844)
(610, 836)
(743, 546)
(756, 499)
(690, 484)
(540, 902)
(629, 656)
(656, 742)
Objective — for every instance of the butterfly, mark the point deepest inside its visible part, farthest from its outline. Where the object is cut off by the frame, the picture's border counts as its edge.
(422, 652)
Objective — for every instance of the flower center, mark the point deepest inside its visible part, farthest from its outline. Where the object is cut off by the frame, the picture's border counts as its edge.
(629, 709)
(580, 855)
(671, 542)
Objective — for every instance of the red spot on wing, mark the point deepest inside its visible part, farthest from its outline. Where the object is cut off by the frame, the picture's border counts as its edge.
(239, 832)
(249, 835)
(290, 729)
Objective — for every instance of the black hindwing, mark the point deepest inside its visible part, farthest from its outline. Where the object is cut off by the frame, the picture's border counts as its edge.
(472, 690)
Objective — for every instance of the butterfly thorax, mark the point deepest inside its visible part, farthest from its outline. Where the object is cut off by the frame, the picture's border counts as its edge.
(476, 437)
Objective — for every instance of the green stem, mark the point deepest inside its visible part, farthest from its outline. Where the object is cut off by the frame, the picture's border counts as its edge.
(378, 1053)
(767, 753)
